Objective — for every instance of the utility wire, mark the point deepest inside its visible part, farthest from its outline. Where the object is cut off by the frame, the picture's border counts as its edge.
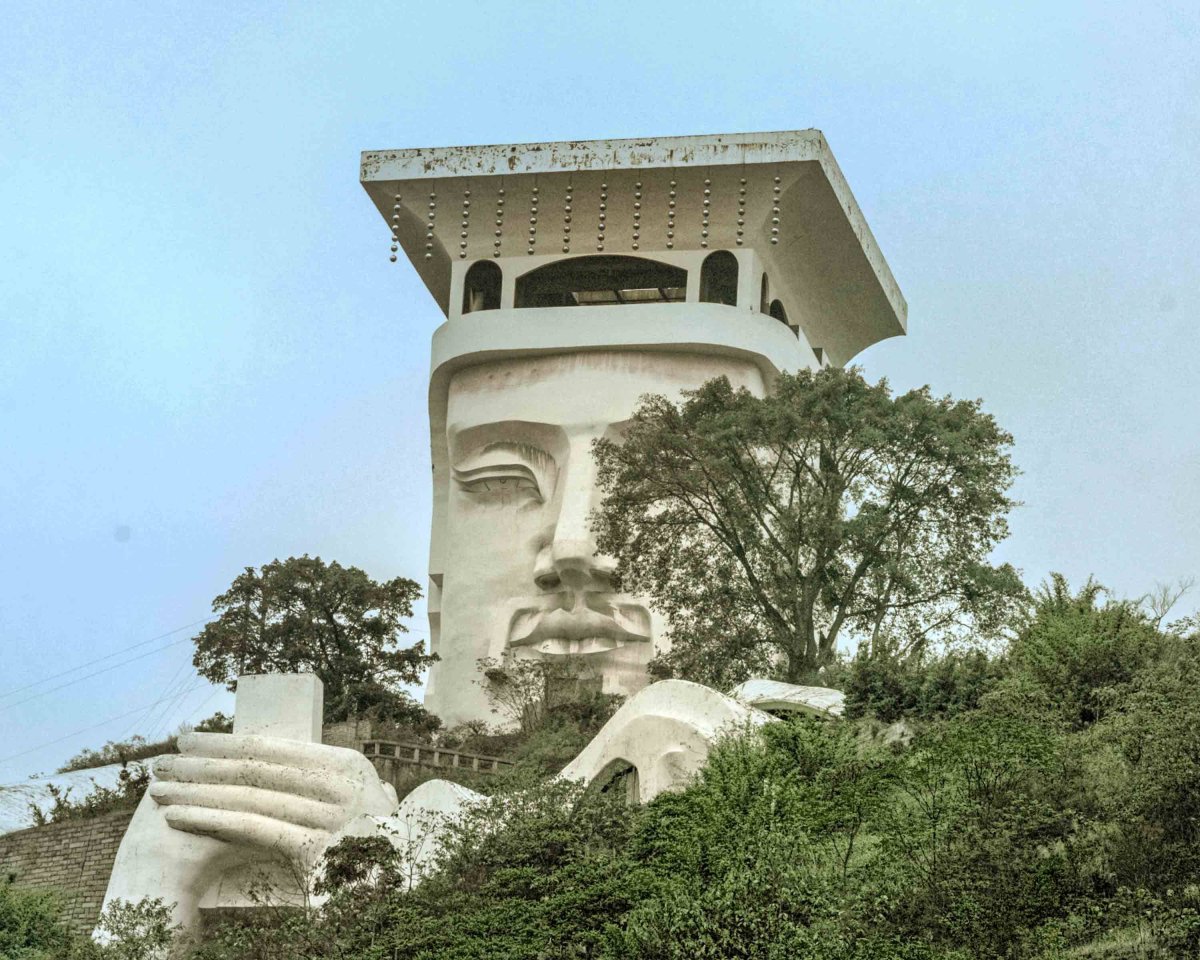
(107, 656)
(95, 673)
(133, 646)
(119, 716)
(158, 717)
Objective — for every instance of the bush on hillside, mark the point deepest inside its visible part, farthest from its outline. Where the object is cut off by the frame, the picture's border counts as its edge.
(32, 928)
(119, 751)
(31, 925)
(929, 688)
(131, 785)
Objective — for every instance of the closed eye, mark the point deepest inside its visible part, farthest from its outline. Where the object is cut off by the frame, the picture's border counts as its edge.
(498, 479)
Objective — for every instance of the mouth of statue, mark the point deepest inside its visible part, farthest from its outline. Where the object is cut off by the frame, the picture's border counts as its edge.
(579, 632)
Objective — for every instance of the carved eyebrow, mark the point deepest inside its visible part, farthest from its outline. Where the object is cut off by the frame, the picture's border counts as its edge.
(536, 456)
(491, 468)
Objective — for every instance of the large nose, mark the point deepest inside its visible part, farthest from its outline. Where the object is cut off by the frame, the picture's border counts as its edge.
(569, 557)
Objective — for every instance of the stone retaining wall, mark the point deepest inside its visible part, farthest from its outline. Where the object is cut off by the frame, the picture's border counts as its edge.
(74, 857)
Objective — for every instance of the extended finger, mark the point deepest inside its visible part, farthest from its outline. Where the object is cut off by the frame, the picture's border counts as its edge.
(315, 785)
(249, 800)
(290, 753)
(246, 829)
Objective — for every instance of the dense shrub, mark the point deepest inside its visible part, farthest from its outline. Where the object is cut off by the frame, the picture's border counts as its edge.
(31, 926)
(1047, 807)
(119, 751)
(928, 688)
(131, 785)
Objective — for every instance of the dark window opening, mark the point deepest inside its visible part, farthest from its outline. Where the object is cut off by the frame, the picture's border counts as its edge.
(481, 287)
(764, 299)
(719, 278)
(621, 782)
(778, 312)
(594, 281)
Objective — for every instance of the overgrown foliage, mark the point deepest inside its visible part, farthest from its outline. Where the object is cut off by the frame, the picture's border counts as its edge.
(119, 751)
(302, 614)
(1020, 823)
(766, 529)
(131, 784)
(32, 928)
(138, 748)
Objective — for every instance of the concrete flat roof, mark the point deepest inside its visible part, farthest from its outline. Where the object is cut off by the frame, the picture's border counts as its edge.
(824, 248)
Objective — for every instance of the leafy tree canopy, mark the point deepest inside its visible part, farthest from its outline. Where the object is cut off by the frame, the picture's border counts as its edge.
(766, 528)
(302, 614)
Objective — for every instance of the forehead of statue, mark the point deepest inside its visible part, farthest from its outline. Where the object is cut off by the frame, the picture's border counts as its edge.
(582, 388)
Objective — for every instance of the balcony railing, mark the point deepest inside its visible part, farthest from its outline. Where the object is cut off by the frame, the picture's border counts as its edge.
(424, 755)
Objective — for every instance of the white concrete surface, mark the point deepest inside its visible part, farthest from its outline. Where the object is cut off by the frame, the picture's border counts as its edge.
(665, 733)
(285, 705)
(515, 570)
(825, 264)
(778, 697)
(519, 392)
(235, 811)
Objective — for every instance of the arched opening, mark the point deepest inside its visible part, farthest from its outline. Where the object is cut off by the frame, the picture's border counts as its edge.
(719, 278)
(598, 280)
(619, 778)
(764, 298)
(481, 287)
(778, 312)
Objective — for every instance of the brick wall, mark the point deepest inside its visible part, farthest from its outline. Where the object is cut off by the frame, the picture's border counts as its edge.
(74, 857)
(347, 733)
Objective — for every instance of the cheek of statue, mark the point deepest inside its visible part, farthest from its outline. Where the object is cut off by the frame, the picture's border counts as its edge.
(496, 512)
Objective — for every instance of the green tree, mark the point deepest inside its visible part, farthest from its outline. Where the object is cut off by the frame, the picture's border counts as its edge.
(765, 529)
(303, 614)
(1081, 653)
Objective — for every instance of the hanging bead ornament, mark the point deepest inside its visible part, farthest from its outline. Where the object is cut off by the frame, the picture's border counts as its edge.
(533, 200)
(775, 214)
(395, 229)
(466, 222)
(499, 221)
(741, 217)
(602, 216)
(704, 216)
(429, 226)
(671, 216)
(637, 213)
(566, 248)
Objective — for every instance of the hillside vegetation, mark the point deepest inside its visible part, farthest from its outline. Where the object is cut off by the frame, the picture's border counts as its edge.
(1046, 806)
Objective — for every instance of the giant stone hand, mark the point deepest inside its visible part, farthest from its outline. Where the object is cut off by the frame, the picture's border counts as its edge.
(267, 793)
(230, 805)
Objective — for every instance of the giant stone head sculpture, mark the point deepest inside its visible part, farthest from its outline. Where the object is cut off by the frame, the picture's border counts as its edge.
(575, 279)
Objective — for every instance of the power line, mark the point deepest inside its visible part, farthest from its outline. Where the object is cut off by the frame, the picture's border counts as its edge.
(107, 656)
(119, 716)
(96, 673)
(133, 646)
(159, 717)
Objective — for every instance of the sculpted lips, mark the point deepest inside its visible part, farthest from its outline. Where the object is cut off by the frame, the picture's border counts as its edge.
(580, 631)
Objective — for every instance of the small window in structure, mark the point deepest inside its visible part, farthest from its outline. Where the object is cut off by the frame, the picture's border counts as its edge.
(600, 280)
(764, 299)
(719, 278)
(481, 287)
(778, 312)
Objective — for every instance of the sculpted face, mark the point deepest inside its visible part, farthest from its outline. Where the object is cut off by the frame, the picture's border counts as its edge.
(522, 577)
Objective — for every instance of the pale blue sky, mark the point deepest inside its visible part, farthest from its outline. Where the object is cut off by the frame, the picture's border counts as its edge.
(206, 360)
